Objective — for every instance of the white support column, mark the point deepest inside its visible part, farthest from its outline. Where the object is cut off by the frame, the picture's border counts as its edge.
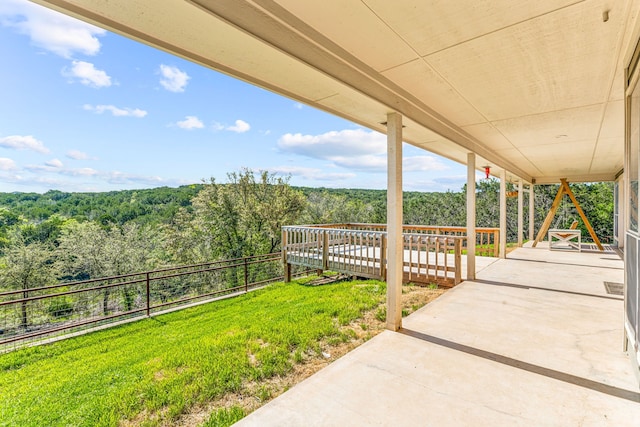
(532, 217)
(471, 216)
(520, 213)
(395, 252)
(503, 214)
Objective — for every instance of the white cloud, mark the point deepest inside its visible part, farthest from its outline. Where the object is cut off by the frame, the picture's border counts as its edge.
(23, 142)
(344, 143)
(79, 155)
(7, 164)
(365, 162)
(240, 127)
(311, 173)
(423, 163)
(88, 74)
(118, 112)
(190, 122)
(50, 30)
(54, 163)
(350, 148)
(117, 177)
(298, 106)
(80, 172)
(50, 176)
(455, 179)
(173, 79)
(47, 167)
(357, 149)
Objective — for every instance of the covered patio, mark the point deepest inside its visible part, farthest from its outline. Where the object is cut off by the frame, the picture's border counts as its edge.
(531, 92)
(534, 340)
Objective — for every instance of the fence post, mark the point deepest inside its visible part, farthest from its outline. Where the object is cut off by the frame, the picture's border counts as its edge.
(496, 243)
(148, 295)
(246, 276)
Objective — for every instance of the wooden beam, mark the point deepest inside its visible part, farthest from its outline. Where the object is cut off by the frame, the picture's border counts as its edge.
(532, 208)
(471, 217)
(547, 221)
(520, 213)
(395, 243)
(567, 190)
(503, 214)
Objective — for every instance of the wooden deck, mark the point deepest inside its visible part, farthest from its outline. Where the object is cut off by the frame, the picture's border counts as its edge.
(428, 258)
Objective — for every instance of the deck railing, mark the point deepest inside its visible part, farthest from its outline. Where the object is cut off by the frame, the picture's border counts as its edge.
(428, 258)
(487, 238)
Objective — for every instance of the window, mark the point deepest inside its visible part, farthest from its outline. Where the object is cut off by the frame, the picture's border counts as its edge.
(634, 141)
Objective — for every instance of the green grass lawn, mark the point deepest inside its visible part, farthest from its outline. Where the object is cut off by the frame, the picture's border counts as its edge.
(152, 371)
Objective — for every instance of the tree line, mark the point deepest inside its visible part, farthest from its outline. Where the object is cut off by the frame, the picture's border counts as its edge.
(56, 236)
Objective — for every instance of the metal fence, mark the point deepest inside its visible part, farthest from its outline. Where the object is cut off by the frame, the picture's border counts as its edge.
(33, 315)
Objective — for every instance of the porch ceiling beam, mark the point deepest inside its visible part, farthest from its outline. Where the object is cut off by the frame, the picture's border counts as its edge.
(605, 177)
(276, 26)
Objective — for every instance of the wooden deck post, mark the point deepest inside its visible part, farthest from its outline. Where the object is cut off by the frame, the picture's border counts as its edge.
(287, 273)
(457, 245)
(471, 218)
(395, 253)
(325, 250)
(383, 257)
(286, 266)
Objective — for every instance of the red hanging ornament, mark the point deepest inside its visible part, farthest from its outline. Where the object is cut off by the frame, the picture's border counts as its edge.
(487, 171)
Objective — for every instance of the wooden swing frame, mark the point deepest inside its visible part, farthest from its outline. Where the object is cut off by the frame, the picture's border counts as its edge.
(564, 189)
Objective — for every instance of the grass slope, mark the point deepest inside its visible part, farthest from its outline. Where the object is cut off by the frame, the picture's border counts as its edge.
(152, 371)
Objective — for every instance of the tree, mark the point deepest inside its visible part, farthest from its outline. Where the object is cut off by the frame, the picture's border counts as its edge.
(89, 251)
(240, 218)
(27, 266)
(326, 208)
(8, 220)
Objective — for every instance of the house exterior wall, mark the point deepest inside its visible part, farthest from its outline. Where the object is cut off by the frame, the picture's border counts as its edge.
(629, 196)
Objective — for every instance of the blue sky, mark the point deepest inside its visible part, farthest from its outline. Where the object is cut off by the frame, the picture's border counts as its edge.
(83, 109)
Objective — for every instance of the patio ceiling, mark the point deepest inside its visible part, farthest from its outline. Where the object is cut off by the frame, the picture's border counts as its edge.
(533, 87)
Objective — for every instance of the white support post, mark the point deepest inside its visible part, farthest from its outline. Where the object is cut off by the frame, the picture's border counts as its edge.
(503, 214)
(471, 216)
(532, 217)
(395, 252)
(520, 213)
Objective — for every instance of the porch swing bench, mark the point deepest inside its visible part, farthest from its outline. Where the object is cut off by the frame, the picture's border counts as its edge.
(565, 238)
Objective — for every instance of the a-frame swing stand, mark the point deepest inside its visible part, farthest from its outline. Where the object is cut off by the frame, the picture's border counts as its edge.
(564, 189)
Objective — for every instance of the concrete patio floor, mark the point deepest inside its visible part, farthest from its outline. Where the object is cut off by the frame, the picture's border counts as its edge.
(536, 340)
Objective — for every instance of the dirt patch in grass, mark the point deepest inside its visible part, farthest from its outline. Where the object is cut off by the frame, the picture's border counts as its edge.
(255, 394)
